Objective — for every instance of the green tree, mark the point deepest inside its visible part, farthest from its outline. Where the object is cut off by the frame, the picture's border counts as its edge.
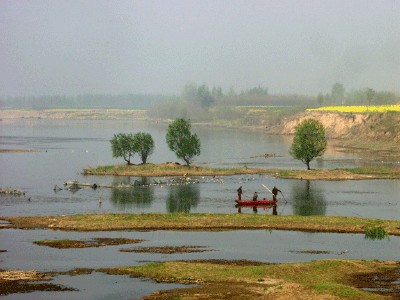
(123, 145)
(144, 145)
(309, 141)
(198, 95)
(181, 141)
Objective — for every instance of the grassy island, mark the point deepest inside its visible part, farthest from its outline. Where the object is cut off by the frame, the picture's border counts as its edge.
(204, 222)
(323, 279)
(176, 169)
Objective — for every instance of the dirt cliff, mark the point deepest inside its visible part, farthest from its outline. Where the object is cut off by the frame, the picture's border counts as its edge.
(357, 129)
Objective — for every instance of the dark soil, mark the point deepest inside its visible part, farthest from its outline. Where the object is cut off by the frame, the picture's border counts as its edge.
(222, 290)
(241, 262)
(168, 249)
(17, 281)
(74, 272)
(312, 252)
(13, 287)
(96, 242)
(386, 283)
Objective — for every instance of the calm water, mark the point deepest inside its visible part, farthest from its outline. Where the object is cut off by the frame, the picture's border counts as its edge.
(260, 245)
(69, 146)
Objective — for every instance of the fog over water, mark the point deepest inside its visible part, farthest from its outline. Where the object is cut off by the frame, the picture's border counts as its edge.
(74, 47)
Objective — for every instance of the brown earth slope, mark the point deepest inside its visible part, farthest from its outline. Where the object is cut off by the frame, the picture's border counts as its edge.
(375, 131)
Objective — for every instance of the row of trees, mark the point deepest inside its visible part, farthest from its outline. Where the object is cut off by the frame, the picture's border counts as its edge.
(202, 103)
(309, 142)
(179, 138)
(127, 145)
(365, 96)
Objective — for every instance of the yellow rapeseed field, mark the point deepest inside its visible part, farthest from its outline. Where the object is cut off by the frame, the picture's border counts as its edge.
(359, 108)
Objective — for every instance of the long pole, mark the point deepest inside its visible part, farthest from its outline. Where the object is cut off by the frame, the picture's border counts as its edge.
(283, 197)
(272, 193)
(266, 187)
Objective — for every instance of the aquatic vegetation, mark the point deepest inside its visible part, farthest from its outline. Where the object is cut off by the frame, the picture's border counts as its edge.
(376, 233)
(359, 108)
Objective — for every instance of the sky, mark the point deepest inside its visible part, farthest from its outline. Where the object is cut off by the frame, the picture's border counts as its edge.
(71, 47)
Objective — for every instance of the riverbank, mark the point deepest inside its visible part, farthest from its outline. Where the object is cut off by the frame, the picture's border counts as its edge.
(375, 134)
(203, 222)
(176, 169)
(73, 114)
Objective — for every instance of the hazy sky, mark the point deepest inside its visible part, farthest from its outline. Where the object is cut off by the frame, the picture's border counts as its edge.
(93, 46)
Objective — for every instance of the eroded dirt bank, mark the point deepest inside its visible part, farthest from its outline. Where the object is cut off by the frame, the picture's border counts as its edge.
(372, 131)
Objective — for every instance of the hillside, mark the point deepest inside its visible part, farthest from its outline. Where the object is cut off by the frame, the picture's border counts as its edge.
(374, 131)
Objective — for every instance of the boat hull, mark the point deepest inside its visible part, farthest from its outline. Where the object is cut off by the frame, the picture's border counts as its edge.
(255, 203)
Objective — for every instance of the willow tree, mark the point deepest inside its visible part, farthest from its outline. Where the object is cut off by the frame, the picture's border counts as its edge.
(181, 141)
(123, 145)
(309, 141)
(144, 145)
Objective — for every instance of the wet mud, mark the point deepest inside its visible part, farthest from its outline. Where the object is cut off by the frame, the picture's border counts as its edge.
(96, 242)
(385, 283)
(168, 249)
(12, 281)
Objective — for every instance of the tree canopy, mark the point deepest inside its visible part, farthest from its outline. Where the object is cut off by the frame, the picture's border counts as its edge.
(126, 145)
(123, 145)
(309, 141)
(144, 145)
(181, 141)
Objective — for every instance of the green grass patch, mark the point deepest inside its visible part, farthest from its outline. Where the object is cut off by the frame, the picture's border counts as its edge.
(174, 169)
(170, 169)
(205, 222)
(311, 279)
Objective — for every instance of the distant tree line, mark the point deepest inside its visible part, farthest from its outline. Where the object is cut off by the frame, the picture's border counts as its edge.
(364, 96)
(125, 101)
(200, 102)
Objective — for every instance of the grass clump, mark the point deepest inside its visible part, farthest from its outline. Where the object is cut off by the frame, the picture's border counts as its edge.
(376, 233)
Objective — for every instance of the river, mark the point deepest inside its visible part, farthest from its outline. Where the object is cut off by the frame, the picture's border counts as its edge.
(66, 147)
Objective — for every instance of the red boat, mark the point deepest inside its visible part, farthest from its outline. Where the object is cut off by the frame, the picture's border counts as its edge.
(255, 202)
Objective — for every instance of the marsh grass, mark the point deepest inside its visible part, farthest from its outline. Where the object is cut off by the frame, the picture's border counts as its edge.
(174, 169)
(311, 280)
(376, 233)
(204, 222)
(170, 169)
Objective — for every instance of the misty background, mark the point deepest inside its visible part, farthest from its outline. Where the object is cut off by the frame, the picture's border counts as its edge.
(96, 47)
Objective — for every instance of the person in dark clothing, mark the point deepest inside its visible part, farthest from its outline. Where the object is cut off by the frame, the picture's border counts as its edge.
(239, 191)
(255, 196)
(275, 191)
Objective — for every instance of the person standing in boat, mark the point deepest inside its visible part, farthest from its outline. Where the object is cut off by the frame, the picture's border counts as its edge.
(255, 196)
(275, 191)
(239, 191)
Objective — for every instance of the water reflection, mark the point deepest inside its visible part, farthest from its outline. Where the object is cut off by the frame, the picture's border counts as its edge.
(306, 200)
(182, 198)
(139, 196)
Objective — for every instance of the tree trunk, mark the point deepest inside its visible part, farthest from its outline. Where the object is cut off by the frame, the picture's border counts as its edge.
(308, 165)
(187, 161)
